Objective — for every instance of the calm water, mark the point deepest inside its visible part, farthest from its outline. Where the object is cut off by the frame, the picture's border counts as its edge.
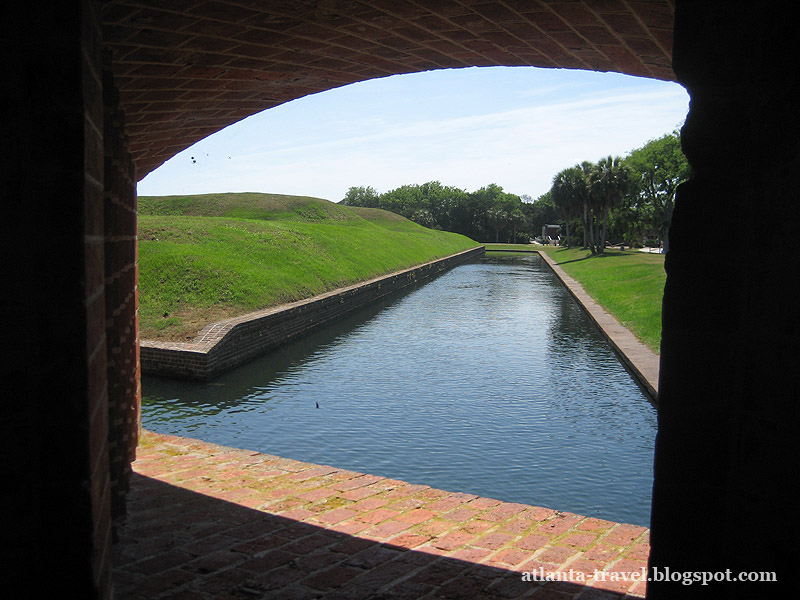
(488, 380)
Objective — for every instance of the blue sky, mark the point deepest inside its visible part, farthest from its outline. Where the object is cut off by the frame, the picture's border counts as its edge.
(513, 126)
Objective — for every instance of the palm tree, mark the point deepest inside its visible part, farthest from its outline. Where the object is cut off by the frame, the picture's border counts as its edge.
(517, 220)
(498, 219)
(570, 193)
(610, 181)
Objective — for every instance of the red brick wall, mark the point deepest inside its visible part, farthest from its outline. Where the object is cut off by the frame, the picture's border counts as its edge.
(55, 418)
(94, 296)
(121, 295)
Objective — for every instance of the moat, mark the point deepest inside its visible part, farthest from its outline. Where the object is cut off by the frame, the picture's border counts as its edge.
(489, 379)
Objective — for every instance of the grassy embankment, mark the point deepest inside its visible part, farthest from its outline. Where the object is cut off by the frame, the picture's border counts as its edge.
(208, 257)
(629, 284)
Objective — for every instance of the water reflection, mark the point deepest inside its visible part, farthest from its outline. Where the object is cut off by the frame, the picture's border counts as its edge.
(488, 380)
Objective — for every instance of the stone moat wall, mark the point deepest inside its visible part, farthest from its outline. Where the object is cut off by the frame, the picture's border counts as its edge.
(641, 362)
(227, 344)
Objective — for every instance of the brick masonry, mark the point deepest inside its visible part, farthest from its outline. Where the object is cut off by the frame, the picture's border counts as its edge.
(227, 344)
(727, 420)
(121, 295)
(187, 69)
(206, 521)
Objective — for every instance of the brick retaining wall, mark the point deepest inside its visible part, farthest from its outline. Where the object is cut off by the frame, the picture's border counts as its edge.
(227, 344)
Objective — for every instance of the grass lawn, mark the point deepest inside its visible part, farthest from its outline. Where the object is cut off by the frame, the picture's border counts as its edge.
(629, 284)
(513, 247)
(209, 257)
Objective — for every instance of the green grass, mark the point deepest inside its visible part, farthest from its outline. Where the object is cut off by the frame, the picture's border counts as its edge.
(247, 205)
(629, 284)
(512, 247)
(207, 257)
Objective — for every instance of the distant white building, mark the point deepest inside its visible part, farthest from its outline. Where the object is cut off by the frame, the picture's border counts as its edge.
(551, 233)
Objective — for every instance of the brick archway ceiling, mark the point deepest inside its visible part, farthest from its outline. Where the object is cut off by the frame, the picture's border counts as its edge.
(188, 68)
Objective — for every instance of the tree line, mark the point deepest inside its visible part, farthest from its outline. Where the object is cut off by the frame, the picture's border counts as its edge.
(621, 200)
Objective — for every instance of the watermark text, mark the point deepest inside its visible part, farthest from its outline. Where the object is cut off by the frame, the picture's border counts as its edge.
(654, 574)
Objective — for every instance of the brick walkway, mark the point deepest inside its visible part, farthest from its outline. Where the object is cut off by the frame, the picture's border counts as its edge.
(205, 521)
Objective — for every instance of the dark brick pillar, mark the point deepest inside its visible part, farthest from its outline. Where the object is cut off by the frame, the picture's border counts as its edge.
(57, 526)
(729, 390)
(121, 296)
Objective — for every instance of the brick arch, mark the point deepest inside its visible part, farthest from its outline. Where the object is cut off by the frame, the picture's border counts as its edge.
(187, 71)
(728, 415)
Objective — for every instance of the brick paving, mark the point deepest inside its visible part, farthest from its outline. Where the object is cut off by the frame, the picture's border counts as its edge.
(205, 521)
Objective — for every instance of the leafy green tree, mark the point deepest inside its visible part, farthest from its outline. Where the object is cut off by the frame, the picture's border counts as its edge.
(404, 200)
(361, 196)
(439, 200)
(657, 168)
(478, 214)
(423, 216)
(540, 212)
(490, 207)
(631, 222)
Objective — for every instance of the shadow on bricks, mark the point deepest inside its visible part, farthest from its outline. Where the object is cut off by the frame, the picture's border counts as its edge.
(176, 543)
